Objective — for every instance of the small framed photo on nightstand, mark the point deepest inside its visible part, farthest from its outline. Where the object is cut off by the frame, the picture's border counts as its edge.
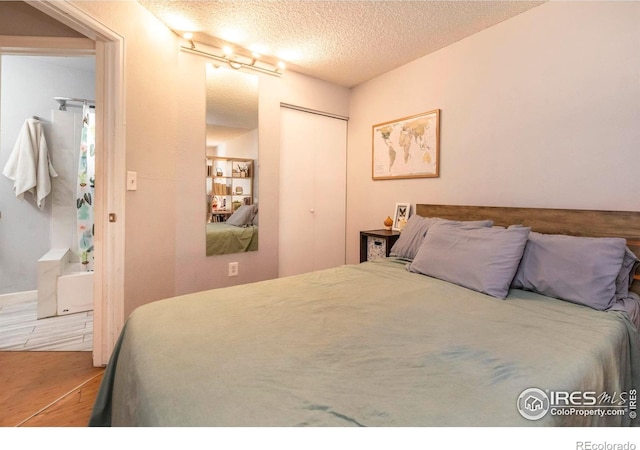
(401, 216)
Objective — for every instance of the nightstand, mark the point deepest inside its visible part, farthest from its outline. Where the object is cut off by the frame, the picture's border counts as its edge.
(376, 243)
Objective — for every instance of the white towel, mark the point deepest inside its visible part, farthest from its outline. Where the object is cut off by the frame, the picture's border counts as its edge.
(29, 165)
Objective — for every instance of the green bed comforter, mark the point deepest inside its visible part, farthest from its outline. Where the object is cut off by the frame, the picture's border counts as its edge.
(223, 239)
(364, 345)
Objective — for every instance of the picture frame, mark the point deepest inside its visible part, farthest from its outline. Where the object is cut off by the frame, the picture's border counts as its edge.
(407, 147)
(401, 216)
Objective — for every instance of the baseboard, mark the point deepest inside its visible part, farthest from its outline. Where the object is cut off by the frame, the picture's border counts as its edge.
(17, 297)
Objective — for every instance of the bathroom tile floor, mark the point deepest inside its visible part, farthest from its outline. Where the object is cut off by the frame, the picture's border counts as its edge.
(20, 329)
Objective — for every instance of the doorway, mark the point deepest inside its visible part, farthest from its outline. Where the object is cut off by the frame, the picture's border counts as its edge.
(108, 48)
(39, 310)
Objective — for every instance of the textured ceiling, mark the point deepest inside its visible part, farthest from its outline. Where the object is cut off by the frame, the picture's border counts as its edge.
(344, 42)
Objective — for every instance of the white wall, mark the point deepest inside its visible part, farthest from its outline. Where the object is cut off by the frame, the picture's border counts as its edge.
(195, 271)
(28, 86)
(151, 114)
(17, 18)
(242, 146)
(165, 144)
(542, 110)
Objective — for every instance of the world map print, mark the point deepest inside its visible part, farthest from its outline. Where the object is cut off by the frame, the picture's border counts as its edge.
(407, 148)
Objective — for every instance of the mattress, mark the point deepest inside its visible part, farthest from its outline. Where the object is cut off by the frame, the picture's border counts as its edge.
(368, 345)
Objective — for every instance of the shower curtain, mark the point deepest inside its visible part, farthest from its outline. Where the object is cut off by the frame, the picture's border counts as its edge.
(86, 187)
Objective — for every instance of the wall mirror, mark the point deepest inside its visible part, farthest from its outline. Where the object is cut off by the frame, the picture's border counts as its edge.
(231, 161)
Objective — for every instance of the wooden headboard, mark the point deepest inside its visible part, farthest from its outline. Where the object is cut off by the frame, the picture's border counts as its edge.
(575, 222)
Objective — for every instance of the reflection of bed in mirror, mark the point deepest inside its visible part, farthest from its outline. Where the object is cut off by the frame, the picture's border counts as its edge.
(238, 234)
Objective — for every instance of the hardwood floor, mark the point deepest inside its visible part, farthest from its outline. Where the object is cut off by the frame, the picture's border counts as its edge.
(47, 389)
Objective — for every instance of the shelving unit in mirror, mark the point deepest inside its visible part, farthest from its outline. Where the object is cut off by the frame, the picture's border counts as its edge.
(229, 186)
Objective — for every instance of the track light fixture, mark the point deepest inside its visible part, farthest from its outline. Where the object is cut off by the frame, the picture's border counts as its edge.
(233, 60)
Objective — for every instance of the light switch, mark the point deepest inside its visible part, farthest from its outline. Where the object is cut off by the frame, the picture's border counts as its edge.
(132, 181)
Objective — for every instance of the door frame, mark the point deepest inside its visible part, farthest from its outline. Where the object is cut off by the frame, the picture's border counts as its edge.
(109, 215)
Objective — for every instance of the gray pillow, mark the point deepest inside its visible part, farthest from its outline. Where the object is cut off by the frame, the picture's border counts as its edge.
(242, 216)
(484, 259)
(414, 231)
(411, 237)
(580, 270)
(630, 304)
(254, 221)
(630, 262)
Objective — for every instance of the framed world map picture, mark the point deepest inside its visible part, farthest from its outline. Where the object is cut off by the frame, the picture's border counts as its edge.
(407, 148)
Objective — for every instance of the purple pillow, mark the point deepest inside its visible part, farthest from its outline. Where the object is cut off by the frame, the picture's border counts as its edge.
(581, 270)
(484, 259)
(242, 216)
(411, 237)
(630, 263)
(415, 230)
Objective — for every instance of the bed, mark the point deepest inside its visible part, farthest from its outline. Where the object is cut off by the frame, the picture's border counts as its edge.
(382, 344)
(223, 238)
(239, 233)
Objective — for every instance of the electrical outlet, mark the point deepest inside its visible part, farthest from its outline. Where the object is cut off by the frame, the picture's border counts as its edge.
(233, 269)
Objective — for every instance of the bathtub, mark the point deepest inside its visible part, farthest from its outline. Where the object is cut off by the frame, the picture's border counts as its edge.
(64, 287)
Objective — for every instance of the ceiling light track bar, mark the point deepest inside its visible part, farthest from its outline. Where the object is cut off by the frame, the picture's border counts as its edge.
(232, 63)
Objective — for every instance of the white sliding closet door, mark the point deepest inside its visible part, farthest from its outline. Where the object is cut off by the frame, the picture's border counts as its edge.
(313, 161)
